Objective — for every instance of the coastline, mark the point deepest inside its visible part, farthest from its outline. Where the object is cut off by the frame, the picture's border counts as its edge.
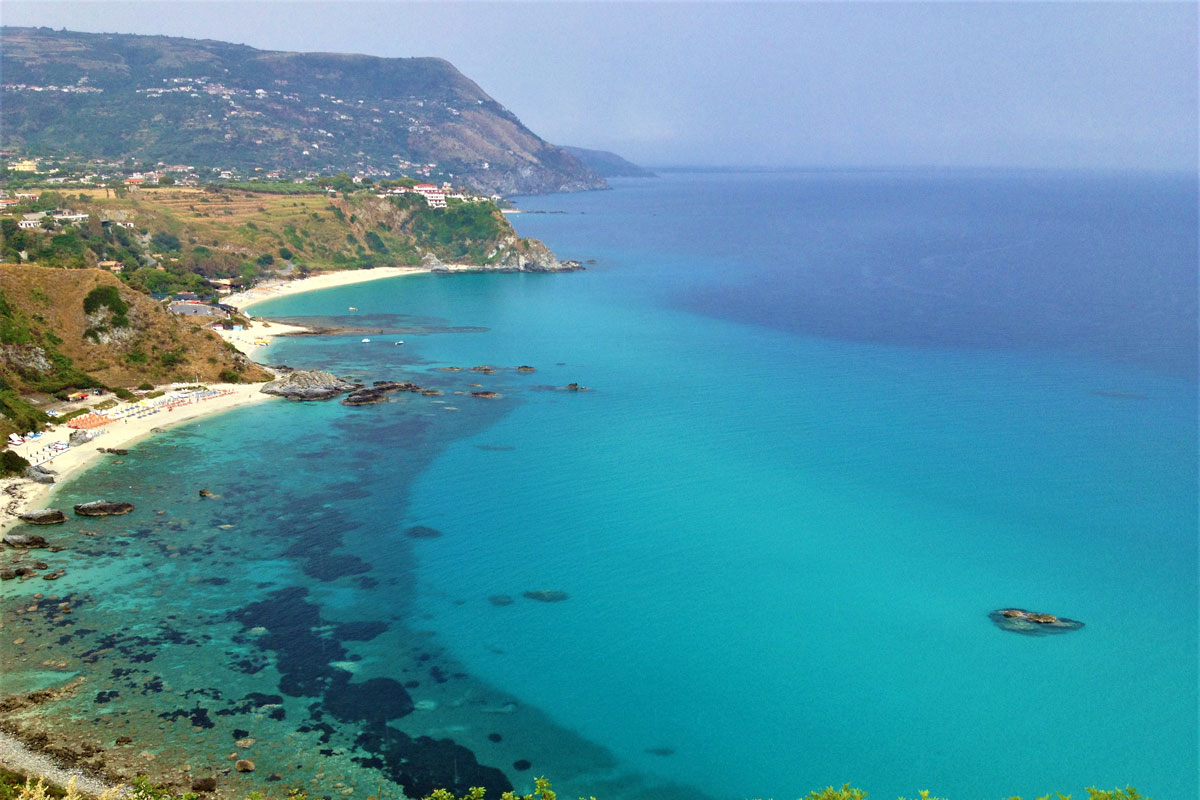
(23, 495)
(269, 290)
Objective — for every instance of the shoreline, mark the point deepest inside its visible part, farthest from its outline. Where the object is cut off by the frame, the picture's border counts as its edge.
(269, 290)
(21, 494)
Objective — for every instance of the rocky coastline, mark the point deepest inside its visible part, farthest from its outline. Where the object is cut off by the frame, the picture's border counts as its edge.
(111, 761)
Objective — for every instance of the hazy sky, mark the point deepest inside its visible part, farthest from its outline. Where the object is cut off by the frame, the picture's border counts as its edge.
(812, 84)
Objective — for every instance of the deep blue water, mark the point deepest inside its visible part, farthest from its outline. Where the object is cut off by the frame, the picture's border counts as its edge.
(835, 420)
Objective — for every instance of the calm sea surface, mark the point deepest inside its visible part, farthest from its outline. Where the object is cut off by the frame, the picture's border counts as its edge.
(834, 420)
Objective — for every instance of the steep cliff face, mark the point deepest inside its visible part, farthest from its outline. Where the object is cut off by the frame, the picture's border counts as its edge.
(215, 104)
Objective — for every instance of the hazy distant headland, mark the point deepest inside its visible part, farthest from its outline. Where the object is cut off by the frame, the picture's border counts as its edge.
(231, 107)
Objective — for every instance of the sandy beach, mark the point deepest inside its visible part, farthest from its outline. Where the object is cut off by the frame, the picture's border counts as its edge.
(325, 280)
(21, 495)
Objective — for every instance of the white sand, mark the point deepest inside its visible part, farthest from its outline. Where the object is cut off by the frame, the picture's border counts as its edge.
(20, 495)
(325, 280)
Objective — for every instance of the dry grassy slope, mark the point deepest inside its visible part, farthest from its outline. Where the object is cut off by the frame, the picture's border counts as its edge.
(52, 300)
(243, 225)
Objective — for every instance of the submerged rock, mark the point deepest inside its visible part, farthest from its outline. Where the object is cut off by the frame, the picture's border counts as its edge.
(113, 451)
(244, 765)
(501, 600)
(43, 516)
(208, 494)
(546, 595)
(103, 508)
(308, 385)
(422, 532)
(1032, 623)
(24, 540)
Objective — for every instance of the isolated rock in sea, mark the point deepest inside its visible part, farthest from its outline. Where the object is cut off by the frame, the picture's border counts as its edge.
(103, 508)
(208, 494)
(546, 595)
(1032, 623)
(244, 765)
(525, 368)
(308, 385)
(38, 474)
(43, 516)
(25, 540)
(487, 395)
(113, 451)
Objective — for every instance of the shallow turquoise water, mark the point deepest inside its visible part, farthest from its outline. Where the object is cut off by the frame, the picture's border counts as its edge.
(780, 542)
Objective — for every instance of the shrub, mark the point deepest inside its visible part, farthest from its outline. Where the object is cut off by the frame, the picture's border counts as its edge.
(11, 463)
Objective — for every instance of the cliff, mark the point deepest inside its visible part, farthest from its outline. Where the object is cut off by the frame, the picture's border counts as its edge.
(215, 104)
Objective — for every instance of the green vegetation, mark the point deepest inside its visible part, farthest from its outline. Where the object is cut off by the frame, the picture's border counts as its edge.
(110, 297)
(461, 231)
(14, 786)
(10, 464)
(199, 128)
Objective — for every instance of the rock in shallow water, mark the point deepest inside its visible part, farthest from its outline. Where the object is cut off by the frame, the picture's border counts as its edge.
(43, 516)
(1032, 623)
(26, 540)
(103, 508)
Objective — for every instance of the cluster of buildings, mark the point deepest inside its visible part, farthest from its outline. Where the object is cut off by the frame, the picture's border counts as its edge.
(435, 196)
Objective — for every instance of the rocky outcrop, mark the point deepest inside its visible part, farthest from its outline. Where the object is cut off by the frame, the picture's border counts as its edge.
(26, 358)
(43, 516)
(38, 474)
(26, 541)
(1032, 623)
(308, 385)
(79, 437)
(103, 508)
(365, 397)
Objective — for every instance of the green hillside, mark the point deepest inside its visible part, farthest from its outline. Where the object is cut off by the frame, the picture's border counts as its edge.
(215, 104)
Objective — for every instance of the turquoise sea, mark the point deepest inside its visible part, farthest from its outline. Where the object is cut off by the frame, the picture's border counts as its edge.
(832, 421)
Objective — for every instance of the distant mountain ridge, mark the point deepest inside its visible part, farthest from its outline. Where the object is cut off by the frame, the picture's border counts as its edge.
(609, 165)
(215, 104)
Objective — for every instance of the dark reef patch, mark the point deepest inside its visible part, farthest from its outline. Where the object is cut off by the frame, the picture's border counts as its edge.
(376, 700)
(198, 716)
(422, 532)
(423, 764)
(360, 631)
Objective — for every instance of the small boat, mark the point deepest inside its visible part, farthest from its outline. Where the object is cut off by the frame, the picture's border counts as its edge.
(399, 341)
(352, 308)
(366, 340)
